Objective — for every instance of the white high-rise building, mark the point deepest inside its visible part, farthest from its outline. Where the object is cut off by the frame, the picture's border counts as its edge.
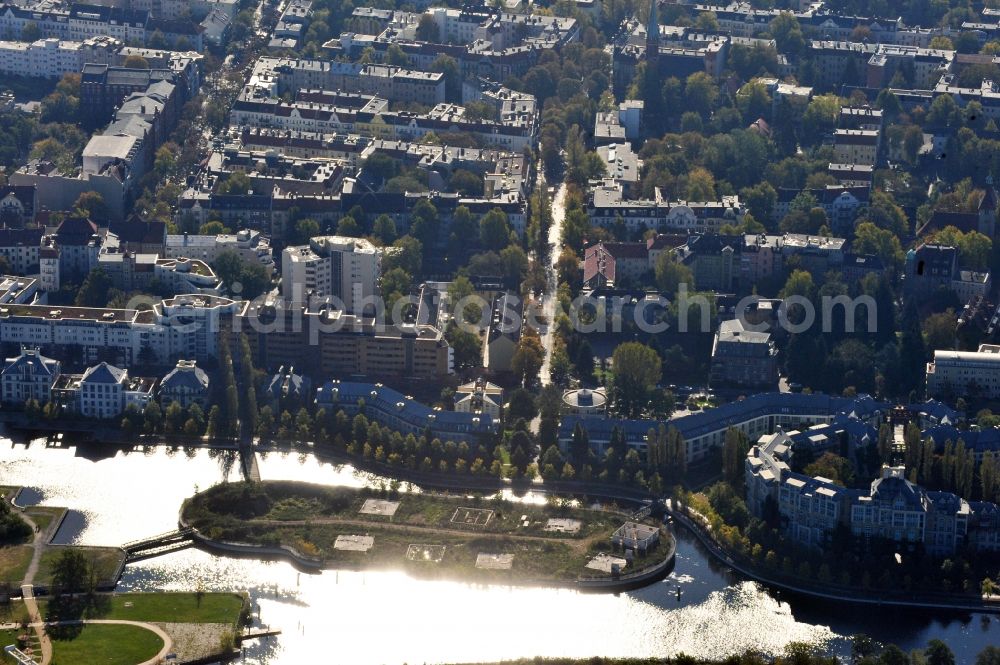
(332, 266)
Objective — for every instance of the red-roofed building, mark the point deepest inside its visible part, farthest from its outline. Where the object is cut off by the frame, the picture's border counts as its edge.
(615, 263)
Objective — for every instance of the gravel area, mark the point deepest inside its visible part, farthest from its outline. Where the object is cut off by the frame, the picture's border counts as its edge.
(195, 640)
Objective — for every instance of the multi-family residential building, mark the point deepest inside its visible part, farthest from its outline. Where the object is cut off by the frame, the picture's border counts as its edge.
(403, 414)
(931, 267)
(714, 260)
(17, 206)
(273, 77)
(484, 41)
(611, 264)
(248, 244)
(856, 146)
(893, 509)
(345, 114)
(742, 357)
(841, 204)
(965, 373)
(347, 269)
(185, 384)
(755, 416)
(21, 247)
(506, 324)
(186, 326)
(28, 376)
(325, 340)
(76, 21)
(52, 58)
(479, 396)
(103, 392)
(608, 207)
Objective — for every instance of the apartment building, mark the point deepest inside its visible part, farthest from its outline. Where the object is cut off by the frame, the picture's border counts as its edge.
(186, 326)
(755, 416)
(347, 269)
(29, 375)
(102, 392)
(964, 373)
(52, 58)
(608, 206)
(403, 414)
(250, 245)
(742, 357)
(891, 509)
(278, 76)
(328, 341)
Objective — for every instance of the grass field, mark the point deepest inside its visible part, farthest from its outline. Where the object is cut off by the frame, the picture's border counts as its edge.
(104, 559)
(106, 645)
(14, 562)
(165, 607)
(43, 516)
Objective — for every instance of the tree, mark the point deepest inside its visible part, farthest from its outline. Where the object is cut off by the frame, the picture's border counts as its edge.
(938, 653)
(427, 29)
(832, 466)
(869, 239)
(494, 230)
(237, 183)
(701, 93)
(135, 61)
(92, 206)
(787, 33)
(425, 223)
(394, 55)
(166, 159)
(521, 405)
(671, 273)
(31, 32)
(528, 357)
(247, 278)
(989, 656)
(94, 291)
(212, 228)
(409, 257)
(637, 368)
(384, 228)
(304, 230)
(799, 283)
(753, 101)
(734, 452)
(820, 117)
(70, 572)
(347, 226)
(447, 65)
(466, 183)
(514, 262)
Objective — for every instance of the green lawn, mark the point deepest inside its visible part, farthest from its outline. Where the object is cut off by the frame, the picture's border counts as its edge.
(43, 516)
(164, 607)
(176, 607)
(14, 562)
(106, 645)
(104, 559)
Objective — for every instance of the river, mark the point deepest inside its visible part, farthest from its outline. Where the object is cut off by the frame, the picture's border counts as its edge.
(388, 617)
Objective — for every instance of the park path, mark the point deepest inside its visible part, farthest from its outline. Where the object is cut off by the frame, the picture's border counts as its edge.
(28, 589)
